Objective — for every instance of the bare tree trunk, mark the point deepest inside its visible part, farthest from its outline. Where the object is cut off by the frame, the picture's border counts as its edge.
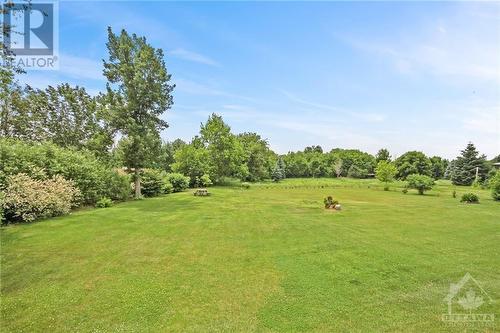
(137, 183)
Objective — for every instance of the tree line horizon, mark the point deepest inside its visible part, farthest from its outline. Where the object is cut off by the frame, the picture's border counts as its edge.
(121, 127)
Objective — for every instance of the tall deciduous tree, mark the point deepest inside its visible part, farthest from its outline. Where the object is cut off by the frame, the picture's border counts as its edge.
(383, 155)
(11, 109)
(438, 167)
(226, 153)
(138, 93)
(192, 160)
(259, 159)
(412, 162)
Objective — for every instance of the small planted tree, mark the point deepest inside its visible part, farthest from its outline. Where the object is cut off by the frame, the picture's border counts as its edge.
(421, 183)
(277, 173)
(385, 172)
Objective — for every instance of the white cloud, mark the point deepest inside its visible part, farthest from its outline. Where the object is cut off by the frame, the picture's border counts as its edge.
(193, 56)
(80, 68)
(464, 46)
(363, 116)
(483, 120)
(196, 88)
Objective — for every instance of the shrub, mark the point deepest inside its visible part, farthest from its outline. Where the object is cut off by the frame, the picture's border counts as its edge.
(421, 183)
(152, 183)
(495, 186)
(2, 195)
(118, 186)
(104, 203)
(205, 180)
(329, 202)
(167, 187)
(27, 199)
(46, 160)
(179, 181)
(469, 198)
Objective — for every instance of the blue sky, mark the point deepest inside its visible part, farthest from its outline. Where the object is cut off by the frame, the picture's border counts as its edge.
(405, 76)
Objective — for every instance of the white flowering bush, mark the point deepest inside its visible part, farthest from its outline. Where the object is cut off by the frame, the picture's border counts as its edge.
(26, 199)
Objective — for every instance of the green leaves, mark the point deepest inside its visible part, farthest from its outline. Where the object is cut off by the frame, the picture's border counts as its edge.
(226, 153)
(139, 93)
(385, 171)
(421, 183)
(412, 162)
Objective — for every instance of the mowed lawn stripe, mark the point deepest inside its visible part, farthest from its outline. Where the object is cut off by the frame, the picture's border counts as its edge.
(269, 258)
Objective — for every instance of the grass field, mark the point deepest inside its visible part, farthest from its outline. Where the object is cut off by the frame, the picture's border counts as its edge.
(269, 258)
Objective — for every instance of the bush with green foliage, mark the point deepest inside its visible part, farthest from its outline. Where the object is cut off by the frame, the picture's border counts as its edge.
(152, 182)
(179, 181)
(469, 198)
(167, 188)
(27, 199)
(329, 202)
(2, 195)
(192, 160)
(46, 160)
(205, 181)
(494, 183)
(118, 186)
(421, 183)
(104, 203)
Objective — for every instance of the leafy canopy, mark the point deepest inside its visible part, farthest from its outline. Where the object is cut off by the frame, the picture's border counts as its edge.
(385, 171)
(138, 93)
(421, 183)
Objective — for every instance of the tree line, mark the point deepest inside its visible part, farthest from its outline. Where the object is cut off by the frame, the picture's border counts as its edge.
(121, 127)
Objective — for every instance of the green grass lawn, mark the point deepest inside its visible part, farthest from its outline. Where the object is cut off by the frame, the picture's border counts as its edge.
(269, 258)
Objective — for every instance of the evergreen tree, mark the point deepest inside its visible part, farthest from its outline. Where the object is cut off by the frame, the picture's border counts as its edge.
(282, 167)
(278, 171)
(465, 166)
